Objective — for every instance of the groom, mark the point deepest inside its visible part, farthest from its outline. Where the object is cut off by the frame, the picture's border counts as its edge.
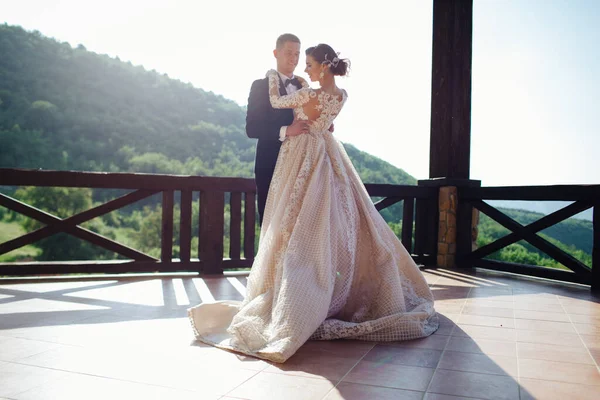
(271, 126)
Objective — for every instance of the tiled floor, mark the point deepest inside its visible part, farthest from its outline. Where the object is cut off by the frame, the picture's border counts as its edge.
(501, 338)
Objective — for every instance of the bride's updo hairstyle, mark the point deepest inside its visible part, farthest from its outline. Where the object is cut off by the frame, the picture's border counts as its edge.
(324, 54)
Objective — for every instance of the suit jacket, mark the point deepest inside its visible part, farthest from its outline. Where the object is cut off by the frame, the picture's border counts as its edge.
(263, 122)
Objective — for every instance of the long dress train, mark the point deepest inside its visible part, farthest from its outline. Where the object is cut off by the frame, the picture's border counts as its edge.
(328, 265)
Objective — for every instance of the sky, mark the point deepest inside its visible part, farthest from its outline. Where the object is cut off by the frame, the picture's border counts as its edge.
(536, 87)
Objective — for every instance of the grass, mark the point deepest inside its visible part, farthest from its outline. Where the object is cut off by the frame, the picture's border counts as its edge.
(12, 230)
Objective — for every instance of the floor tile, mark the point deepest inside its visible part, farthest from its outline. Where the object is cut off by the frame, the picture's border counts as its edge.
(76, 387)
(482, 346)
(496, 322)
(469, 384)
(267, 386)
(340, 348)
(354, 391)
(390, 375)
(584, 319)
(480, 363)
(14, 349)
(194, 374)
(489, 311)
(431, 342)
(327, 366)
(591, 341)
(437, 396)
(485, 332)
(532, 389)
(587, 329)
(17, 378)
(566, 354)
(544, 337)
(559, 371)
(536, 325)
(542, 316)
(404, 356)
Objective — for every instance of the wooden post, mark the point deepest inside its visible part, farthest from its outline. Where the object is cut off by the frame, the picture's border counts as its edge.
(426, 224)
(596, 250)
(464, 223)
(407, 224)
(450, 138)
(212, 220)
(235, 225)
(249, 224)
(185, 226)
(166, 254)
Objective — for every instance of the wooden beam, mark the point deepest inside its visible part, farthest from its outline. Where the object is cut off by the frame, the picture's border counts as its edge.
(166, 252)
(387, 202)
(109, 267)
(82, 267)
(450, 136)
(212, 222)
(407, 224)
(119, 180)
(400, 191)
(533, 193)
(531, 270)
(426, 216)
(464, 233)
(235, 225)
(185, 226)
(596, 249)
(249, 224)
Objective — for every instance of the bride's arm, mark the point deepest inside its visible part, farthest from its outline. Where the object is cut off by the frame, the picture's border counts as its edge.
(288, 101)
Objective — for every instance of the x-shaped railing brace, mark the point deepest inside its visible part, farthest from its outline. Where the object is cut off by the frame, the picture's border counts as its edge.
(70, 225)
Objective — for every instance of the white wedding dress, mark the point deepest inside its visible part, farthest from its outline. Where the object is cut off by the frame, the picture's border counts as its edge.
(328, 266)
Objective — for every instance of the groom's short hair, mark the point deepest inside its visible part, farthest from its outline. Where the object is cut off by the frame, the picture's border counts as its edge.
(286, 37)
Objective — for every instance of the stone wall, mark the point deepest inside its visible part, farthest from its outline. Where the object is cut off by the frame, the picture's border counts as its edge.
(447, 227)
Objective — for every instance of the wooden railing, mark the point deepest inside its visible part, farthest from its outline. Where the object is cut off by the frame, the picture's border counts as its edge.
(420, 206)
(419, 202)
(583, 197)
(211, 221)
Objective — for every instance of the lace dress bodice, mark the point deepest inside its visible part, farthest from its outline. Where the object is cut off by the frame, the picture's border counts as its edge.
(315, 106)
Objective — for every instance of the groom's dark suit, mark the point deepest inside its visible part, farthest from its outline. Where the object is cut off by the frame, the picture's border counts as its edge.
(263, 122)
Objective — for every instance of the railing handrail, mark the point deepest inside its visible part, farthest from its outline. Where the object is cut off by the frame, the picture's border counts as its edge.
(138, 180)
(532, 193)
(122, 180)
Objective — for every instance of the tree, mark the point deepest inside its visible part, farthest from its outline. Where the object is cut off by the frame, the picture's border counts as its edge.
(42, 116)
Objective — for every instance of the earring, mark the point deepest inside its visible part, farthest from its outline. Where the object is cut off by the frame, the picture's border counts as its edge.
(322, 75)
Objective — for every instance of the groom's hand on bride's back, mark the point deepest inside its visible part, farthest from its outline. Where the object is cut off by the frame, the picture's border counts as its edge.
(298, 127)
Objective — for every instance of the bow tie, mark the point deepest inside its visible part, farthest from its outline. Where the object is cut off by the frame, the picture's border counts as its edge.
(293, 81)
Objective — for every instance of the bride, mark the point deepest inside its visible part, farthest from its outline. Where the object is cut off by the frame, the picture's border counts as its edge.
(328, 266)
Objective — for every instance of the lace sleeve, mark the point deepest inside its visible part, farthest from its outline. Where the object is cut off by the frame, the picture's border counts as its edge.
(288, 101)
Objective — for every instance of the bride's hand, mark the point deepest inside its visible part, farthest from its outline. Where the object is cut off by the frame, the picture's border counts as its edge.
(298, 127)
